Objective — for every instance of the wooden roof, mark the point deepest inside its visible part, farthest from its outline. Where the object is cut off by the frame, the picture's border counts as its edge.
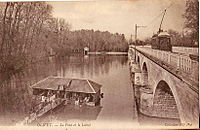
(83, 85)
(72, 85)
(51, 83)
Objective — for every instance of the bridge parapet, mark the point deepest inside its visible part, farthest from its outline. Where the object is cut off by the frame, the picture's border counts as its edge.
(178, 61)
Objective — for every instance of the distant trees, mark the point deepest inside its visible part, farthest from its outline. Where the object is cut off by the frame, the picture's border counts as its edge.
(180, 39)
(147, 41)
(75, 41)
(192, 19)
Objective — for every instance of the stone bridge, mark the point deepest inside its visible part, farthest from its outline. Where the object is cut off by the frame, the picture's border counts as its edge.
(166, 84)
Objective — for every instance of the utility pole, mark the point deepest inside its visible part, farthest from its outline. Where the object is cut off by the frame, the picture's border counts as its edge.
(162, 20)
(131, 39)
(135, 34)
(136, 28)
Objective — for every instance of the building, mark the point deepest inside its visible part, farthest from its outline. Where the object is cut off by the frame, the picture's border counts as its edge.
(74, 91)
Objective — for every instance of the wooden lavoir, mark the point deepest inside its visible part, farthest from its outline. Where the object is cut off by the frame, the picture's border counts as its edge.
(52, 92)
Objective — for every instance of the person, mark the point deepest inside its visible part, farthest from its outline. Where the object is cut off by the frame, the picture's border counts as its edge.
(77, 101)
(87, 99)
(43, 99)
(80, 101)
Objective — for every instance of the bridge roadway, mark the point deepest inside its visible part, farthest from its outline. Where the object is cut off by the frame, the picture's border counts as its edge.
(166, 84)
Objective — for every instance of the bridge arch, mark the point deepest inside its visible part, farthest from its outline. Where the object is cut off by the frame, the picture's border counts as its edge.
(164, 103)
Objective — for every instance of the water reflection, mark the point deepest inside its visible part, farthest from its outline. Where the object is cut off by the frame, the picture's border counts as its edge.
(87, 67)
(16, 95)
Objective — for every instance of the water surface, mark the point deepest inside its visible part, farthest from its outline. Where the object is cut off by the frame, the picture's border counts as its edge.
(112, 72)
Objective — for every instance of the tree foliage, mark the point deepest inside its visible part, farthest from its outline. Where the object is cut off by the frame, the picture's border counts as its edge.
(180, 39)
(192, 18)
(21, 34)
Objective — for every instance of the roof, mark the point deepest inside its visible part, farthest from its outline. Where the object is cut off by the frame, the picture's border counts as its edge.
(163, 34)
(74, 85)
(86, 48)
(83, 85)
(51, 83)
(155, 35)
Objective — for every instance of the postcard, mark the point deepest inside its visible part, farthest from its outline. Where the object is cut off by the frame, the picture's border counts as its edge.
(99, 64)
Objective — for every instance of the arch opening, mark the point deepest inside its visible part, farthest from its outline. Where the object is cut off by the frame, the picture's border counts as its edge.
(144, 75)
(138, 59)
(164, 104)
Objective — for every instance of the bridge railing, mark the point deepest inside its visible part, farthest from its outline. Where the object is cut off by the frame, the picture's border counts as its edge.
(183, 50)
(176, 60)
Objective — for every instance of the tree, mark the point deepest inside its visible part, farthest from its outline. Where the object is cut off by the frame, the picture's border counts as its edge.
(192, 19)
(175, 37)
(22, 39)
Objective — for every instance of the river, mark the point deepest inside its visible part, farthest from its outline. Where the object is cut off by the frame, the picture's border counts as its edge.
(112, 72)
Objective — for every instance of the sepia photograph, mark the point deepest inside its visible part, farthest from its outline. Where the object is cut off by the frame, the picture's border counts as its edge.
(99, 64)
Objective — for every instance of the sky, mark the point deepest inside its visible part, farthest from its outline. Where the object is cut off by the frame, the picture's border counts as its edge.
(121, 15)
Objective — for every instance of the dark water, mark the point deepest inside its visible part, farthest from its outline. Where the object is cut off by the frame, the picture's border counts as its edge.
(110, 71)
